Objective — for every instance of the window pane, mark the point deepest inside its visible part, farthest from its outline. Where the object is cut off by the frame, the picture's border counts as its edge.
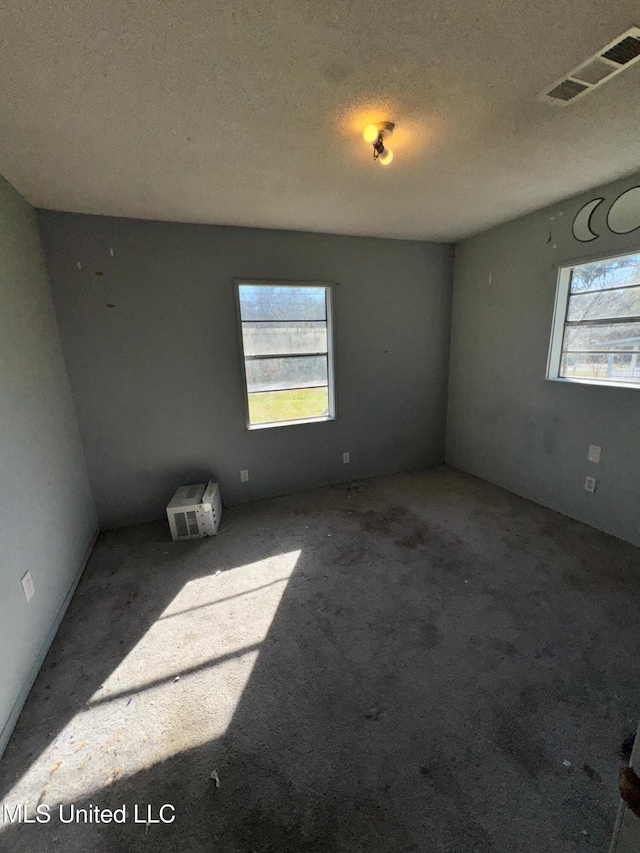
(604, 304)
(284, 338)
(607, 338)
(273, 302)
(293, 405)
(273, 374)
(609, 367)
(612, 272)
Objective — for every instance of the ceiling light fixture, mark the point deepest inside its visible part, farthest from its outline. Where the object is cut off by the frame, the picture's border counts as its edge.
(376, 134)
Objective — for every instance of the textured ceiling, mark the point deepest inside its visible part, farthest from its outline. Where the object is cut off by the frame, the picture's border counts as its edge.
(250, 112)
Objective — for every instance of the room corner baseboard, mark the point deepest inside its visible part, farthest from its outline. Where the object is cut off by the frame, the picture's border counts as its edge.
(8, 727)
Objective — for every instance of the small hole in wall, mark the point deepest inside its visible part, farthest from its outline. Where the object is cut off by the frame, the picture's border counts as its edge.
(99, 272)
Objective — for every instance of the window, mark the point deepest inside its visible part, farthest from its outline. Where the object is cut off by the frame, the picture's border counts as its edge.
(287, 340)
(596, 329)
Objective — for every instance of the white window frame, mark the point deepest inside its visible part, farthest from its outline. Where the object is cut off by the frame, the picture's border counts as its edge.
(330, 291)
(560, 321)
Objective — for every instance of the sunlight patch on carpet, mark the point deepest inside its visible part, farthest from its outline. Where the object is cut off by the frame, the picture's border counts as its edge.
(177, 689)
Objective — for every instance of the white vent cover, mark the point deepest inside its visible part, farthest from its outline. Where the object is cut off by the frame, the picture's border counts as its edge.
(615, 57)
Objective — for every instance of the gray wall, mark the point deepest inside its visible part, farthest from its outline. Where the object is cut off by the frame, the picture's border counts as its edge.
(47, 519)
(157, 377)
(506, 423)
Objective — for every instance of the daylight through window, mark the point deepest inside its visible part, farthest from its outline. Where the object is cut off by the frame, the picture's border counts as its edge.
(596, 334)
(288, 352)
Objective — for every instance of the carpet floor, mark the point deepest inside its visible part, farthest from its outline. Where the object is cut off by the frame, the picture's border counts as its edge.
(419, 663)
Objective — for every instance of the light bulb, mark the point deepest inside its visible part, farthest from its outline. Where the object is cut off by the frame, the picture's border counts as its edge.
(371, 133)
(386, 156)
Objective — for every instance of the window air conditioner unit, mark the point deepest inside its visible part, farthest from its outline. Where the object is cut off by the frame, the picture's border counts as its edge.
(195, 511)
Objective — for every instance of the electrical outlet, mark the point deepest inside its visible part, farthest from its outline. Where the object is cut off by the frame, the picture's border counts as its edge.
(27, 586)
(590, 484)
(345, 458)
(594, 453)
(244, 476)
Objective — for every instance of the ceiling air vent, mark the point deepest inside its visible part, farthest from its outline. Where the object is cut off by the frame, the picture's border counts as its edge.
(614, 57)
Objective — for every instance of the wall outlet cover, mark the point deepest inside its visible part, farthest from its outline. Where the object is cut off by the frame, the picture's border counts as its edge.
(594, 453)
(28, 586)
(345, 458)
(590, 484)
(244, 476)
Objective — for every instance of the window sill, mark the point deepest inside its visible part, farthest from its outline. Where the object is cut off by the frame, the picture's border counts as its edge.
(600, 382)
(291, 423)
